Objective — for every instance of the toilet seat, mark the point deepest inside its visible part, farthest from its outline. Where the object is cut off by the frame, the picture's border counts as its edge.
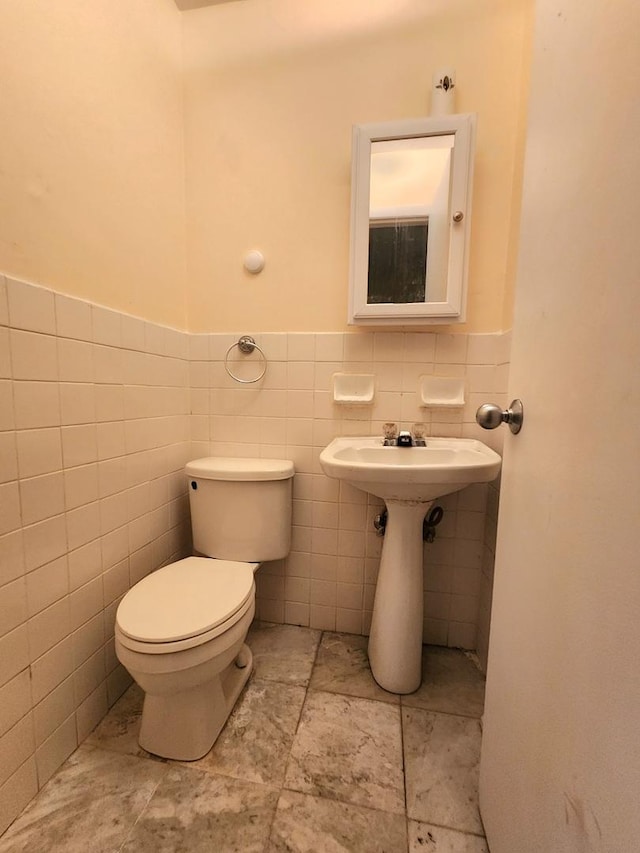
(184, 604)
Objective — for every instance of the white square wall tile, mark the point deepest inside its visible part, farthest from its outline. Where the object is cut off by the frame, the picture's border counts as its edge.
(462, 635)
(451, 349)
(33, 356)
(108, 364)
(198, 347)
(349, 621)
(483, 349)
(44, 541)
(8, 457)
(388, 346)
(88, 639)
(75, 360)
(85, 564)
(83, 525)
(106, 326)
(31, 307)
(154, 338)
(42, 497)
(419, 347)
(4, 309)
(77, 403)
(48, 628)
(79, 445)
(132, 332)
(5, 354)
(358, 346)
(10, 518)
(296, 613)
(80, 485)
(301, 346)
(73, 318)
(47, 585)
(7, 420)
(329, 346)
(17, 791)
(15, 700)
(53, 710)
(85, 603)
(11, 556)
(274, 345)
(36, 404)
(13, 605)
(39, 451)
(91, 711)
(322, 618)
(15, 747)
(14, 653)
(51, 669)
(56, 749)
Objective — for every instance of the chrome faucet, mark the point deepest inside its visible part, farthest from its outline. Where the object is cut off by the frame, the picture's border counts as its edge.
(404, 438)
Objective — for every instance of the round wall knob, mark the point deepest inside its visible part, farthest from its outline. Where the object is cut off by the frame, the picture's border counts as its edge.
(254, 261)
(490, 416)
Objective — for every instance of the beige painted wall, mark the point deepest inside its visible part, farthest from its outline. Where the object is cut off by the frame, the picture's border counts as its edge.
(91, 151)
(272, 90)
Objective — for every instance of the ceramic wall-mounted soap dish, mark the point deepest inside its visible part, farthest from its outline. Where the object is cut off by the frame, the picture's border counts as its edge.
(353, 389)
(441, 391)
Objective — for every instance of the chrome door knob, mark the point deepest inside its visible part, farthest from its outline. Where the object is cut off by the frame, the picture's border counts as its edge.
(490, 416)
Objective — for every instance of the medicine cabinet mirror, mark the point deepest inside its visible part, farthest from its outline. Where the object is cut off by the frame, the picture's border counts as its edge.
(410, 216)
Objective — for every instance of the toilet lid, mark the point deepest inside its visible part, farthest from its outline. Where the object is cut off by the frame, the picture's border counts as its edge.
(184, 599)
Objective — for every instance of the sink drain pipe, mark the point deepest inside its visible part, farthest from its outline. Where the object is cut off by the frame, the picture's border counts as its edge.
(431, 520)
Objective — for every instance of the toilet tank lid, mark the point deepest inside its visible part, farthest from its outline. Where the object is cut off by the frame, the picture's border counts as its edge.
(222, 468)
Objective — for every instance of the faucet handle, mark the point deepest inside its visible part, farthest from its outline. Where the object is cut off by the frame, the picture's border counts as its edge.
(390, 430)
(418, 431)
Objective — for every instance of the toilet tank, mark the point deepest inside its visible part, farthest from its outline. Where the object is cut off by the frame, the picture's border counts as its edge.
(241, 508)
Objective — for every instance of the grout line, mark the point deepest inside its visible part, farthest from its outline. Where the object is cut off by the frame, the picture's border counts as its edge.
(143, 810)
(282, 786)
(404, 772)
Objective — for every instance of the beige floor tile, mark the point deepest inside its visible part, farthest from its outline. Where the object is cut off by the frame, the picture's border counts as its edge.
(91, 804)
(283, 652)
(119, 730)
(306, 824)
(348, 749)
(255, 743)
(451, 683)
(441, 759)
(342, 666)
(426, 838)
(199, 812)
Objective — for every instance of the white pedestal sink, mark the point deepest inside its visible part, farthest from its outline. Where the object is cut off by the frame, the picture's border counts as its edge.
(408, 479)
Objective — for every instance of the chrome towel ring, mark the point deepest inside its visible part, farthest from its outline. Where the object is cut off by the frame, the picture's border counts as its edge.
(246, 345)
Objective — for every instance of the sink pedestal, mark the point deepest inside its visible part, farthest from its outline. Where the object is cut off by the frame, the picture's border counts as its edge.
(395, 642)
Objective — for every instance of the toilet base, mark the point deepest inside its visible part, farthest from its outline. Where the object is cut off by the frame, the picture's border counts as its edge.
(202, 711)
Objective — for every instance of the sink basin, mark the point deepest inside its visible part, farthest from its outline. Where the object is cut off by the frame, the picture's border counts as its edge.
(410, 473)
(408, 479)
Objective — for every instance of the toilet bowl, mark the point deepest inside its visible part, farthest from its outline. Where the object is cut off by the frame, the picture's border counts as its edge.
(180, 632)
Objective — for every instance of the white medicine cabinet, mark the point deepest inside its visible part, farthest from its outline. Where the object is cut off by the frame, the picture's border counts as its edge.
(410, 220)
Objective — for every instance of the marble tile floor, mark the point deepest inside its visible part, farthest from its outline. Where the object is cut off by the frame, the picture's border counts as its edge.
(315, 758)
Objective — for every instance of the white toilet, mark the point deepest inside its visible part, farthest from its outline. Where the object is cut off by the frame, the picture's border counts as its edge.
(180, 631)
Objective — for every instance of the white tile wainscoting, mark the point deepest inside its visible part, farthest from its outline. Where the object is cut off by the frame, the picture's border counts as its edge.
(99, 411)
